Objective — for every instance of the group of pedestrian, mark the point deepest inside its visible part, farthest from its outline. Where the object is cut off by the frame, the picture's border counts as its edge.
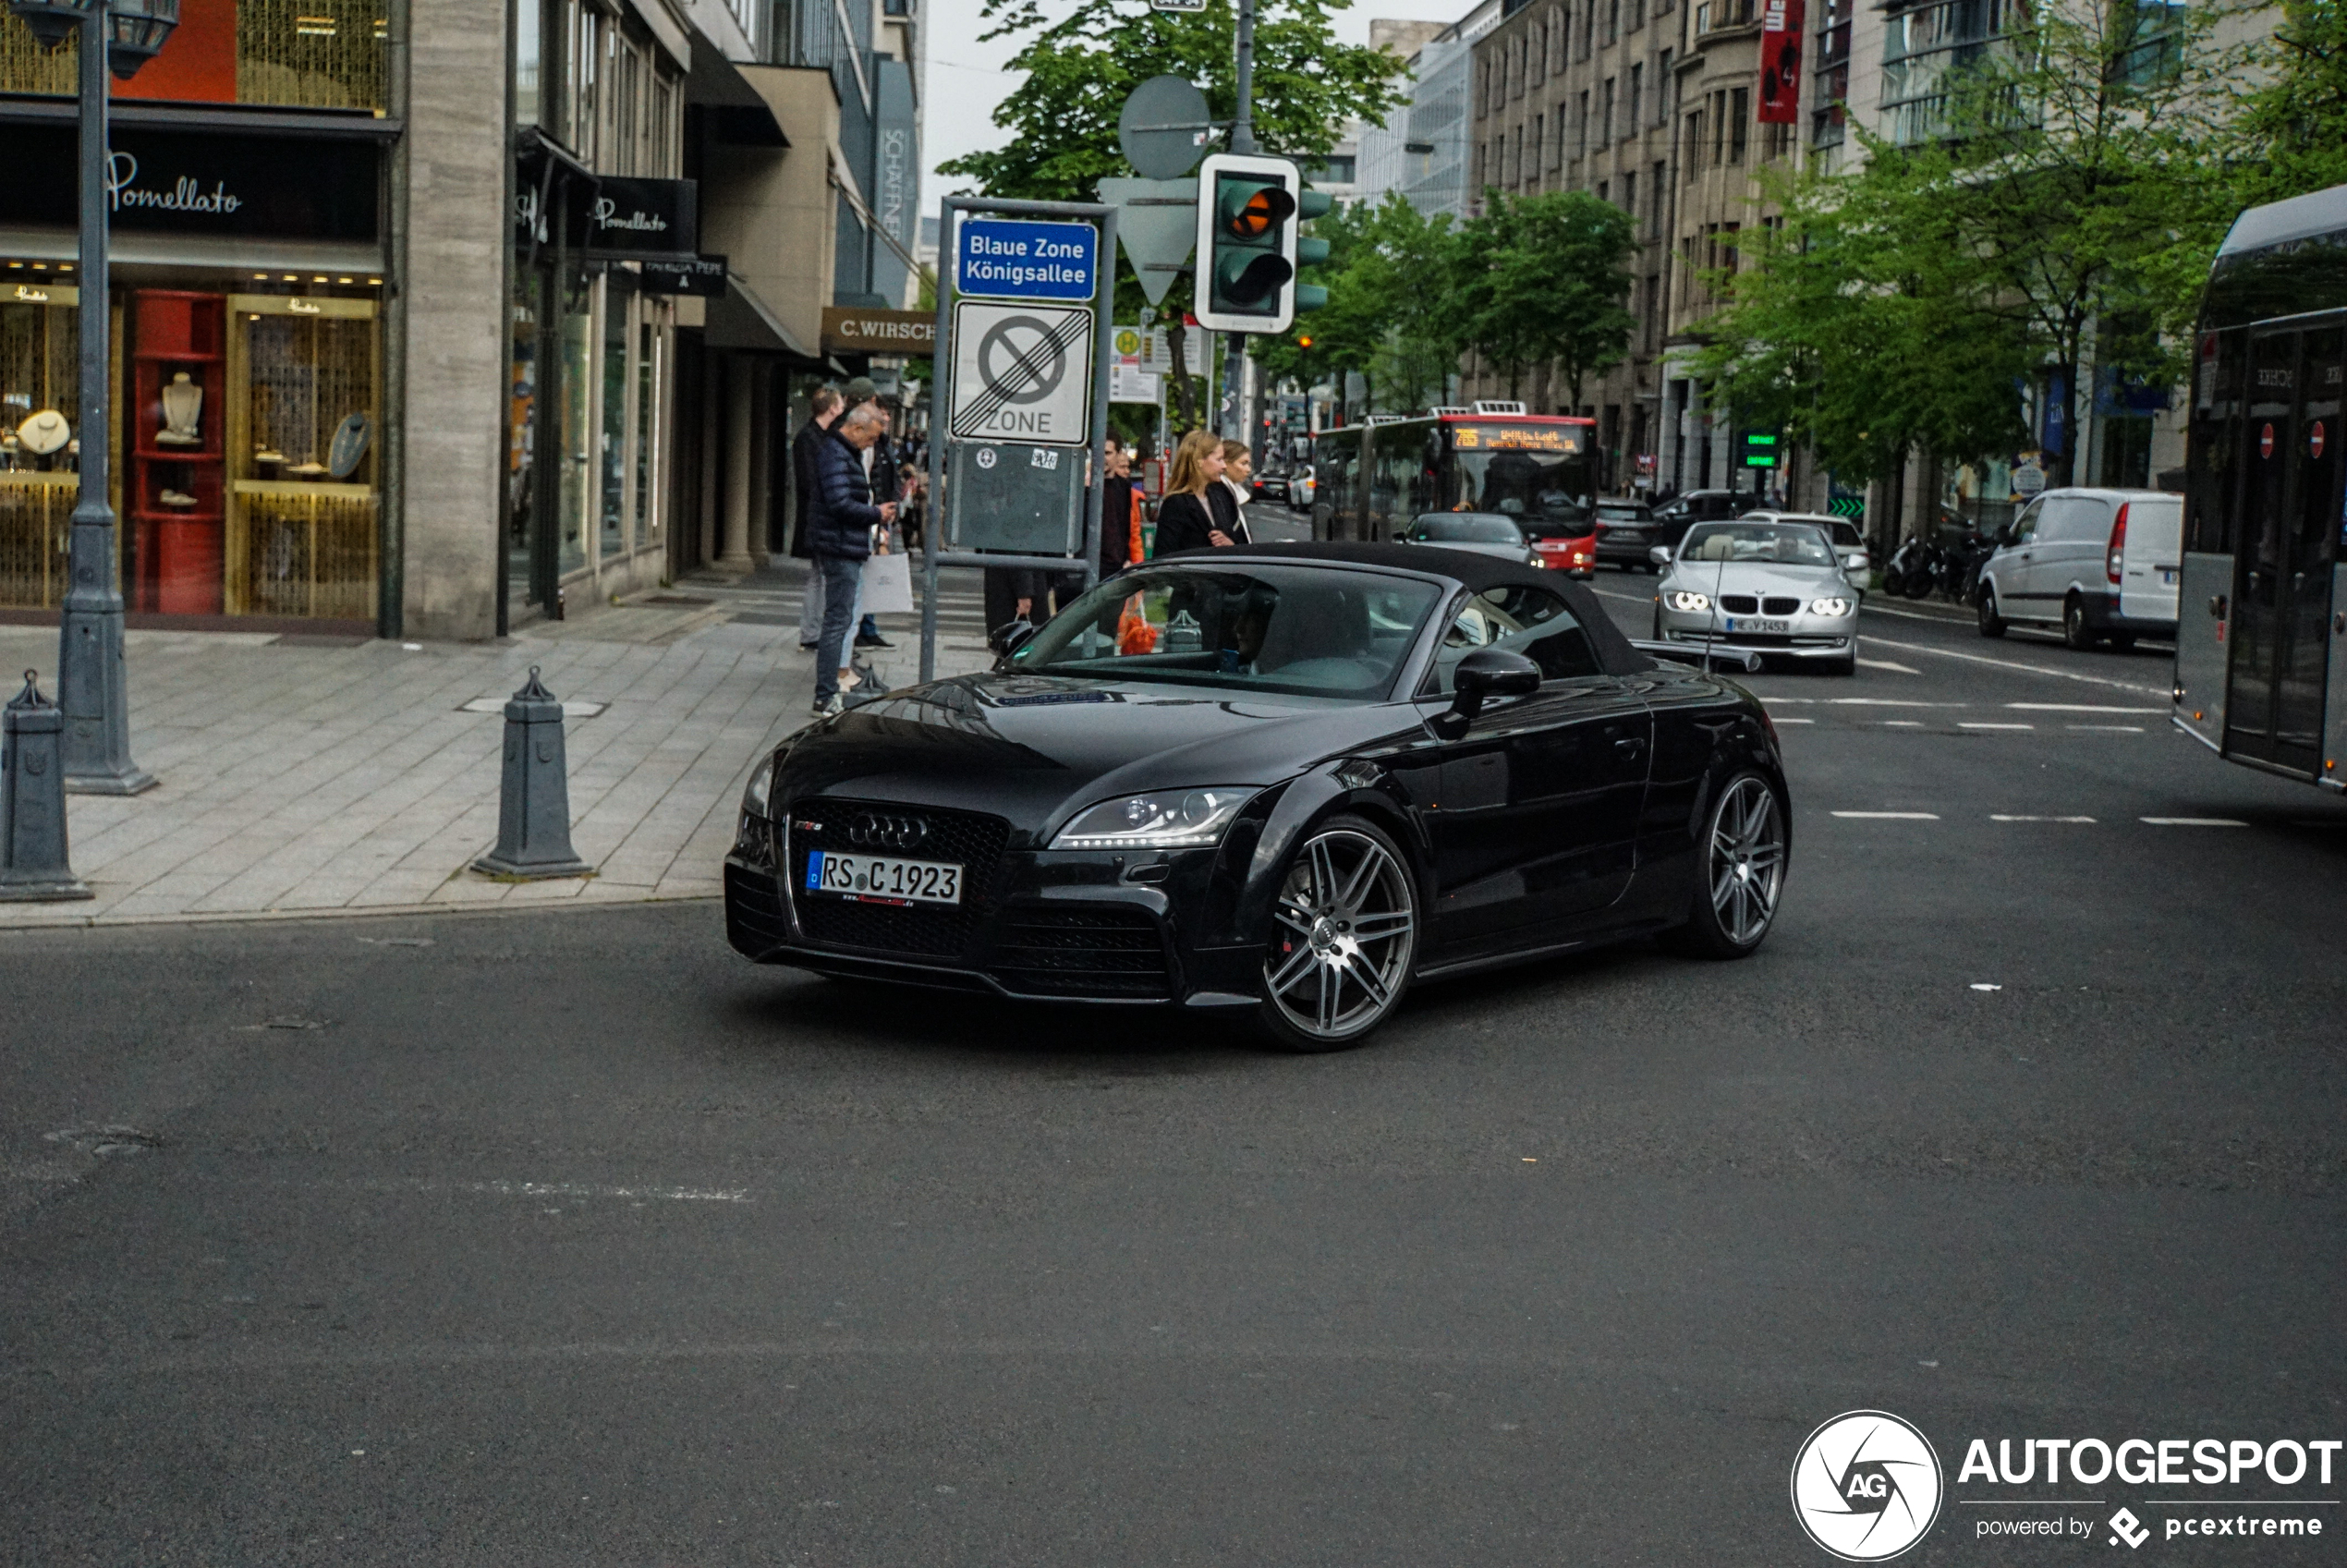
(1206, 496)
(849, 483)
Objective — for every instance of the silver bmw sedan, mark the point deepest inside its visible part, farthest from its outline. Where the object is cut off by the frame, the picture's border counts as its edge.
(1772, 588)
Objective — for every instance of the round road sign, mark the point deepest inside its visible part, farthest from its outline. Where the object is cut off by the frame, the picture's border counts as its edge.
(1020, 362)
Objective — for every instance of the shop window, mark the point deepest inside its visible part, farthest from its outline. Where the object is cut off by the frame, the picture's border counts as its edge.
(176, 480)
(613, 466)
(648, 382)
(304, 424)
(574, 438)
(301, 54)
(38, 375)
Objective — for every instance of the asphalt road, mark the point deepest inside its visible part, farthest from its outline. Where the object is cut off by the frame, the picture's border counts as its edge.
(570, 1238)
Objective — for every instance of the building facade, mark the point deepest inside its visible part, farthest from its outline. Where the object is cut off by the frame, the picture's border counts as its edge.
(433, 317)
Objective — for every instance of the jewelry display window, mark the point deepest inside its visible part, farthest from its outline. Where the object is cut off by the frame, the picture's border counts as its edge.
(39, 439)
(176, 485)
(304, 493)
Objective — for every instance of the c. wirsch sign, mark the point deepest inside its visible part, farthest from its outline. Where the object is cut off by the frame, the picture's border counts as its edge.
(191, 182)
(637, 217)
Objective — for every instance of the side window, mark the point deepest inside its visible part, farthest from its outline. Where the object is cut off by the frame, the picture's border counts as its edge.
(2024, 527)
(1531, 621)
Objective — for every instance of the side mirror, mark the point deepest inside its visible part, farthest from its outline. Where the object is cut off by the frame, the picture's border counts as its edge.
(1659, 556)
(1008, 639)
(1484, 674)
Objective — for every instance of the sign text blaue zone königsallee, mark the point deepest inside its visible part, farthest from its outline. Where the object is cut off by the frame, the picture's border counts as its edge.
(1009, 258)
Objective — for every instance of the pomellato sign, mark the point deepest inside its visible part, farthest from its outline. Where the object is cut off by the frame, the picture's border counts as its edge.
(637, 217)
(199, 183)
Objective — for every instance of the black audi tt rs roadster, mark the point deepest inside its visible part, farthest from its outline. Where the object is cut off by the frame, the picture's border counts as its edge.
(1290, 779)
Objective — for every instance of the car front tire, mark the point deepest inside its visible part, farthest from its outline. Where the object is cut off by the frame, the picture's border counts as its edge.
(1991, 624)
(1344, 927)
(1740, 867)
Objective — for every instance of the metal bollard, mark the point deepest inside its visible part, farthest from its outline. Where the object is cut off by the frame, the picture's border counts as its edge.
(32, 802)
(533, 805)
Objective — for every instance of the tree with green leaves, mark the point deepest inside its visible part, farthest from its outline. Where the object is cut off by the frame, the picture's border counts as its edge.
(1083, 63)
(2293, 115)
(1545, 280)
(1389, 275)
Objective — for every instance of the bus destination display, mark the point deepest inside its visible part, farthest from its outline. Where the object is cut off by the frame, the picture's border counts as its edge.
(1516, 438)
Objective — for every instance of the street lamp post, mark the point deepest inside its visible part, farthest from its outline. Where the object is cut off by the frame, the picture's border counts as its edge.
(92, 686)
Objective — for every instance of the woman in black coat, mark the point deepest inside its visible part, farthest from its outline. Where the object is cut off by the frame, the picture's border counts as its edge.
(1186, 518)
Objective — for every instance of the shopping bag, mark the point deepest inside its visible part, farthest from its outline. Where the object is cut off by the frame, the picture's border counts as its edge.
(888, 585)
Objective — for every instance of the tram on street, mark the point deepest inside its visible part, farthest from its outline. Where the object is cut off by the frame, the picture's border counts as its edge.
(2261, 633)
(1373, 479)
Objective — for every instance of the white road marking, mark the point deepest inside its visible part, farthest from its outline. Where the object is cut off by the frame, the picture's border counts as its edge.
(2194, 823)
(2075, 707)
(1884, 702)
(1792, 720)
(1984, 724)
(1982, 985)
(563, 1189)
(1871, 608)
(1891, 815)
(1994, 817)
(1887, 664)
(1902, 723)
(2010, 664)
(2108, 729)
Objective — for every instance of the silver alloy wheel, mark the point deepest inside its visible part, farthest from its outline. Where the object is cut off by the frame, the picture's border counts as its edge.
(1747, 860)
(1347, 926)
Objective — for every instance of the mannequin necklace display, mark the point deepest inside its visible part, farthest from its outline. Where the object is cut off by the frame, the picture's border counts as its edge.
(176, 497)
(182, 406)
(45, 433)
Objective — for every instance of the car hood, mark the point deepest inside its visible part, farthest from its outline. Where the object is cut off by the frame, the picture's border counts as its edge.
(1756, 577)
(1033, 749)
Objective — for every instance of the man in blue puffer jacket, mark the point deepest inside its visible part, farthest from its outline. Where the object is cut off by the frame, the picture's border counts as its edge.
(839, 534)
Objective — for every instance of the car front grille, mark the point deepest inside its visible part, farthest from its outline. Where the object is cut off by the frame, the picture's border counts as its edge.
(1110, 951)
(1739, 605)
(925, 931)
(1782, 606)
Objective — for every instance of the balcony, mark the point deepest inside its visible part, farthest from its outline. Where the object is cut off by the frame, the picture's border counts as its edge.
(317, 55)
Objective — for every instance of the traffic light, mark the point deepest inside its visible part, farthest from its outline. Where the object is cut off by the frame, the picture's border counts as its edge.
(1759, 449)
(1246, 250)
(1310, 252)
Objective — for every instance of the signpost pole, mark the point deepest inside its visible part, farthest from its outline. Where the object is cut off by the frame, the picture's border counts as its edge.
(944, 395)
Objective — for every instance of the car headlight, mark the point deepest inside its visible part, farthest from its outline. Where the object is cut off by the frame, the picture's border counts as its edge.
(756, 798)
(1685, 601)
(1172, 818)
(1829, 606)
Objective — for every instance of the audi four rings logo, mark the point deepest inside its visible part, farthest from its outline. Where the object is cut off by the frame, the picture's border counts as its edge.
(895, 833)
(1866, 1486)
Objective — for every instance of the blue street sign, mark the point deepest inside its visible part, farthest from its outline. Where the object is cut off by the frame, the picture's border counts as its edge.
(1009, 258)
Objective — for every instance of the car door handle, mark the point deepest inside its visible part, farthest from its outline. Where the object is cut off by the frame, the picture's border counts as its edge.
(1629, 747)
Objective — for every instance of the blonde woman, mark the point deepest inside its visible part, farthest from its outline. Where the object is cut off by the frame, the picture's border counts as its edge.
(1229, 499)
(1185, 519)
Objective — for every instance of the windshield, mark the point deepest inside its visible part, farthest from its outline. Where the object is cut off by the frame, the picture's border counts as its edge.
(1311, 632)
(1466, 527)
(1625, 509)
(1783, 544)
(1546, 494)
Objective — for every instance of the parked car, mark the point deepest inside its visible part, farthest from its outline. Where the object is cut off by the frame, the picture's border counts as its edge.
(1289, 779)
(2099, 564)
(1300, 486)
(1480, 533)
(1760, 585)
(1625, 532)
(1848, 544)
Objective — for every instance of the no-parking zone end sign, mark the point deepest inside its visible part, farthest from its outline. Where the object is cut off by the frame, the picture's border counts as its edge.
(1023, 373)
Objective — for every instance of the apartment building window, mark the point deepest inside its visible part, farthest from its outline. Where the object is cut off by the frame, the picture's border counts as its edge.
(1605, 190)
(1589, 26)
(1637, 86)
(1630, 194)
(1827, 119)
(1605, 113)
(1612, 19)
(1523, 65)
(1693, 160)
(1539, 141)
(1581, 128)
(1663, 88)
(1919, 46)
(1556, 143)
(1515, 156)
(1540, 52)
(1739, 120)
(1650, 317)
(1637, 15)
(1657, 185)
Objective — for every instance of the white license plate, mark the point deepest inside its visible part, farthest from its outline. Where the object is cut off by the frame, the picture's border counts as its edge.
(877, 879)
(1746, 623)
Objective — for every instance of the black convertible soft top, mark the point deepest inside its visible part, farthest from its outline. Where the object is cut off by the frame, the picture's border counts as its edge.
(1472, 571)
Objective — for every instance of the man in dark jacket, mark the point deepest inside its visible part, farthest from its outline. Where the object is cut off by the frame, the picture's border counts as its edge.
(840, 535)
(880, 467)
(823, 411)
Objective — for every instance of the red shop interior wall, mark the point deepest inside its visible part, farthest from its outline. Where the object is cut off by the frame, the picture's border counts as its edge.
(199, 64)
